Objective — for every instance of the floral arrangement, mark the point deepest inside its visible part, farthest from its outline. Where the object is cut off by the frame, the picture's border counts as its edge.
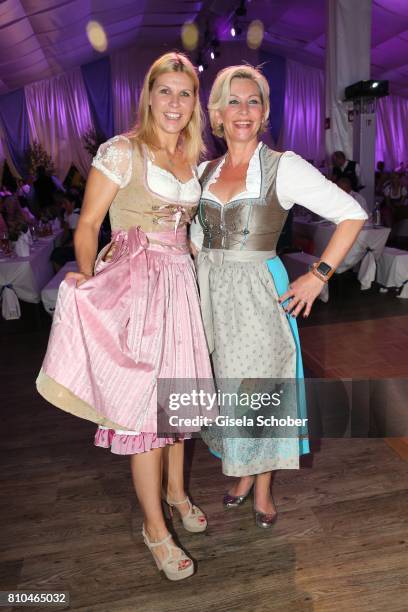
(37, 156)
(92, 140)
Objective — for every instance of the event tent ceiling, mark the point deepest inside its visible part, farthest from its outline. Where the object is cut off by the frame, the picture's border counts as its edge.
(41, 38)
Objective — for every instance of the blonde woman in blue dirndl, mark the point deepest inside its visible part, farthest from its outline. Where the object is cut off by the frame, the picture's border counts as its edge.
(249, 309)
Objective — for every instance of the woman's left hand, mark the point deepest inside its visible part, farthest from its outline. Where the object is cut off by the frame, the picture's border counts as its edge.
(302, 293)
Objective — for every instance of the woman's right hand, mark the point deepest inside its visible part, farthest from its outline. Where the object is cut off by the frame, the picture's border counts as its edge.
(79, 276)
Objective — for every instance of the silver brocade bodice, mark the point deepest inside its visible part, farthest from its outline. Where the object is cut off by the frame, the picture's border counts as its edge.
(252, 224)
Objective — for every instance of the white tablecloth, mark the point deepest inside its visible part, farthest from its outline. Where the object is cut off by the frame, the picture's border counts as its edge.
(28, 275)
(392, 269)
(50, 292)
(369, 245)
(297, 264)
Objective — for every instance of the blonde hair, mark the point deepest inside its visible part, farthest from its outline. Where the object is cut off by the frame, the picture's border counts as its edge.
(144, 130)
(221, 89)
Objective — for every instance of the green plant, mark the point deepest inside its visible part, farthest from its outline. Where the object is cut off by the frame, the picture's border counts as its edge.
(37, 156)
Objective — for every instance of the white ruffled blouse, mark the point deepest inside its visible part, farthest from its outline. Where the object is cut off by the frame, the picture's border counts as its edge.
(114, 160)
(297, 182)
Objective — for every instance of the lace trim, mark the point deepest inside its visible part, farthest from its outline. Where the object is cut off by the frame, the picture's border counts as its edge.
(111, 175)
(178, 201)
(110, 157)
(253, 181)
(167, 173)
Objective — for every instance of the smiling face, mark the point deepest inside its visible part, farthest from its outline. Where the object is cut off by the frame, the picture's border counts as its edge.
(171, 102)
(243, 115)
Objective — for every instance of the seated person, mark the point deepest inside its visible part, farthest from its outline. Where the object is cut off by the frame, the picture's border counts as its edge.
(396, 203)
(381, 178)
(343, 167)
(61, 255)
(12, 212)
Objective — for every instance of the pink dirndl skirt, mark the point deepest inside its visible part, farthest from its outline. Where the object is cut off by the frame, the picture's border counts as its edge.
(136, 320)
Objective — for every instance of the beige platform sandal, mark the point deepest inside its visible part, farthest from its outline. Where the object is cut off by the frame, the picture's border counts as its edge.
(174, 567)
(195, 520)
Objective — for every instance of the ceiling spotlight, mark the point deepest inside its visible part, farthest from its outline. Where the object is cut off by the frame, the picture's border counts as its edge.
(375, 84)
(212, 55)
(200, 61)
(255, 34)
(97, 36)
(189, 36)
(233, 32)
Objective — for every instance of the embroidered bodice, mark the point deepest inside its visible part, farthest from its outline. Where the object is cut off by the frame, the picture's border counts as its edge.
(251, 221)
(149, 196)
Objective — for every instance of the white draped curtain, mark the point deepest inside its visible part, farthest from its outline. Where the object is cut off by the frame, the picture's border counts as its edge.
(392, 131)
(59, 115)
(348, 44)
(302, 129)
(303, 122)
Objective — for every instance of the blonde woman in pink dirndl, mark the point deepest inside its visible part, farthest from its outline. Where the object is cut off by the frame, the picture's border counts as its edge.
(133, 316)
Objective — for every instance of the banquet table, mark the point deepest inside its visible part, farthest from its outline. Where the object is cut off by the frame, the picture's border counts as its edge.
(26, 276)
(366, 251)
(50, 292)
(392, 269)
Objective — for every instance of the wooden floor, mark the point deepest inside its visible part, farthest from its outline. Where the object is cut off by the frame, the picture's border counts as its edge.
(374, 348)
(70, 520)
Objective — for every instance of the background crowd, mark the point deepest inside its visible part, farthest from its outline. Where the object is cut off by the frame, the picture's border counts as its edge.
(41, 205)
